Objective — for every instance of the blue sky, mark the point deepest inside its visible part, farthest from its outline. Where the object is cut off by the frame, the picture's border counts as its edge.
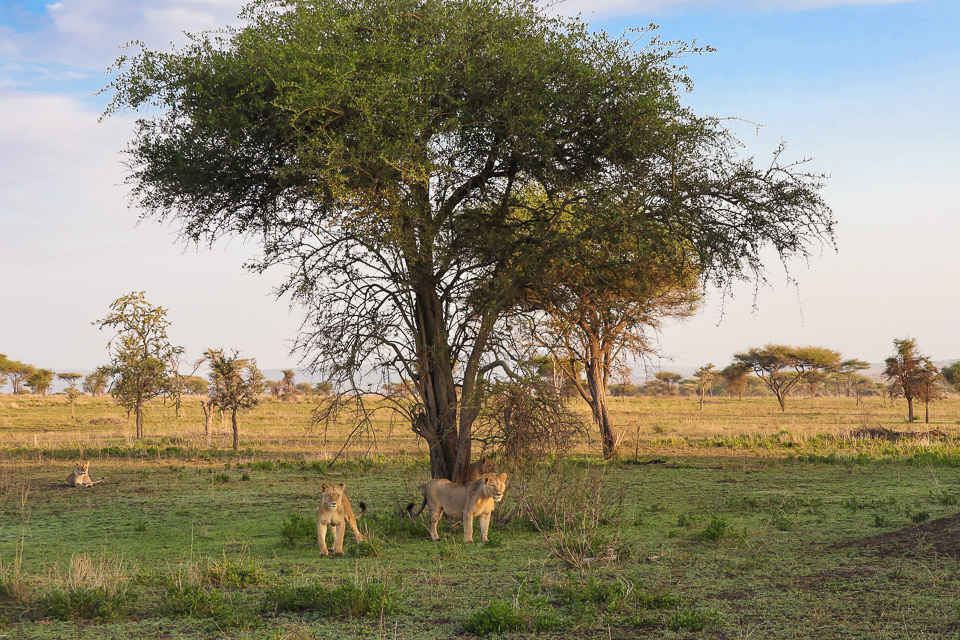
(869, 90)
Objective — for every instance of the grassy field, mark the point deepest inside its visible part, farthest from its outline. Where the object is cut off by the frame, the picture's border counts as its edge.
(740, 522)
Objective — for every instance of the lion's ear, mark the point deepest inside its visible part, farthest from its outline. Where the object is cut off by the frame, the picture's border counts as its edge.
(343, 485)
(503, 477)
(484, 459)
(486, 478)
(323, 487)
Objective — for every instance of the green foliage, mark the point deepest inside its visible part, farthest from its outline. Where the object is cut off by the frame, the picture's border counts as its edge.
(348, 600)
(235, 385)
(233, 575)
(40, 381)
(783, 367)
(297, 529)
(716, 529)
(141, 356)
(689, 619)
(96, 383)
(523, 613)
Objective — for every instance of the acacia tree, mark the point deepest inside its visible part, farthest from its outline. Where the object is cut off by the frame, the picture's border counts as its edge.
(669, 378)
(16, 372)
(416, 185)
(70, 378)
(849, 371)
(782, 367)
(950, 373)
(235, 386)
(140, 353)
(736, 376)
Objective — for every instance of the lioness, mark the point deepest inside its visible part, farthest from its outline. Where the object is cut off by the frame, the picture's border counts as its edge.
(462, 500)
(335, 510)
(478, 468)
(80, 476)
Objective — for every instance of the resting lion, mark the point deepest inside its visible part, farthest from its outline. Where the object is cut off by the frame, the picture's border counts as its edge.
(478, 468)
(476, 499)
(335, 510)
(81, 476)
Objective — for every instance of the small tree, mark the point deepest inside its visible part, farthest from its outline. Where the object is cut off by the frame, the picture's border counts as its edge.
(288, 386)
(848, 372)
(235, 385)
(140, 353)
(40, 381)
(906, 371)
(72, 395)
(195, 385)
(70, 378)
(783, 367)
(814, 382)
(704, 376)
(96, 382)
(322, 388)
(736, 376)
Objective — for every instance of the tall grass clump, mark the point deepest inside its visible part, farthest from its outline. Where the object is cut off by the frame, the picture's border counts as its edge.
(579, 521)
(91, 589)
(297, 529)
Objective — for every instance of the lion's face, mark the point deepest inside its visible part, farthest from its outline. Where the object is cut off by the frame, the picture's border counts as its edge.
(82, 467)
(486, 465)
(494, 486)
(332, 495)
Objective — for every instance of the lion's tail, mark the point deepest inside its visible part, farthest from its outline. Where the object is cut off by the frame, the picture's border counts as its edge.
(363, 508)
(410, 508)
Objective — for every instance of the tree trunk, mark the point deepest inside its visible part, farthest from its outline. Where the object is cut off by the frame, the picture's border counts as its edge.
(926, 412)
(138, 418)
(598, 402)
(909, 409)
(437, 423)
(236, 432)
(207, 419)
(782, 399)
(701, 400)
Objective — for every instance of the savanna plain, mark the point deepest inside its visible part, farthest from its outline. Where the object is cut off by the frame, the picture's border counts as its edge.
(831, 520)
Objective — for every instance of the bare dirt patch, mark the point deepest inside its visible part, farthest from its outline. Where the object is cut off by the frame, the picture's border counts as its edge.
(942, 536)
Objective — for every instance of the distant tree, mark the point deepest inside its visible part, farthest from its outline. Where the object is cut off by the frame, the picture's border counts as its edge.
(288, 386)
(72, 395)
(655, 388)
(860, 385)
(196, 385)
(16, 373)
(704, 376)
(305, 388)
(4, 364)
(96, 382)
(140, 353)
(906, 372)
(848, 371)
(782, 367)
(736, 376)
(813, 381)
(951, 374)
(274, 387)
(235, 385)
(70, 378)
(322, 388)
(40, 381)
(671, 379)
(929, 386)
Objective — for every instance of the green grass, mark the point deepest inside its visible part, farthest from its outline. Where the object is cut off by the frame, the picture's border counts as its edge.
(781, 534)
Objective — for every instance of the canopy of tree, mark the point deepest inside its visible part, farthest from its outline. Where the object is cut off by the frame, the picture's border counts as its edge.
(783, 367)
(420, 168)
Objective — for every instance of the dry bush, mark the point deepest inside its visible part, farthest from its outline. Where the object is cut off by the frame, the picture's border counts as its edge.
(525, 420)
(569, 506)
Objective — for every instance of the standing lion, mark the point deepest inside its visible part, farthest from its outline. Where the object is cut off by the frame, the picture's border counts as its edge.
(335, 511)
(466, 501)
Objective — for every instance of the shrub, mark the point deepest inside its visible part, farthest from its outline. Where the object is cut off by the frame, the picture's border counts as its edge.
(297, 529)
(716, 529)
(524, 613)
(232, 574)
(221, 477)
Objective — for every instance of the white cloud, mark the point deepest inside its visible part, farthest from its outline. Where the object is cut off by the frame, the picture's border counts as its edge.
(610, 8)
